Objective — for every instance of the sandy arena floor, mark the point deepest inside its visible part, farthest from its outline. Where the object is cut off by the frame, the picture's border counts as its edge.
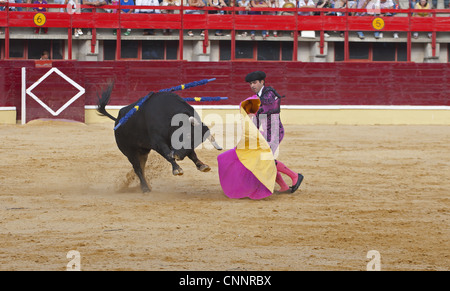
(383, 188)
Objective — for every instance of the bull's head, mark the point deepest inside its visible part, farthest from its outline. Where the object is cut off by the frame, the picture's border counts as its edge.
(189, 135)
(205, 132)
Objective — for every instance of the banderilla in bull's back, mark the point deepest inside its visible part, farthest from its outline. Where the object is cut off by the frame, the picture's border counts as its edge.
(176, 88)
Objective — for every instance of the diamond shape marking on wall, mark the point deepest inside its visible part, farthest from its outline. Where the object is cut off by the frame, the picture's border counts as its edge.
(67, 104)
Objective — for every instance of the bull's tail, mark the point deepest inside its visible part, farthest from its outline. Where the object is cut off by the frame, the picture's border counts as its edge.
(104, 100)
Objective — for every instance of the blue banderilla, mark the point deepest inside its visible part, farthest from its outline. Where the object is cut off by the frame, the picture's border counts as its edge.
(188, 85)
(204, 99)
(176, 88)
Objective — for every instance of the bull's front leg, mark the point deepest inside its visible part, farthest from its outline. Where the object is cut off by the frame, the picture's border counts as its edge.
(199, 164)
(166, 152)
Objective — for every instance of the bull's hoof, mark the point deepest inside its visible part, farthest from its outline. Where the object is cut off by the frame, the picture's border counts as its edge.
(146, 190)
(204, 168)
(177, 172)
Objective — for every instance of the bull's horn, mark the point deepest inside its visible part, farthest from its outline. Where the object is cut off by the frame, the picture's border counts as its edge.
(193, 121)
(213, 142)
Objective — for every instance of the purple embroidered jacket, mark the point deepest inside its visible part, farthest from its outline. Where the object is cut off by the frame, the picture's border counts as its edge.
(268, 116)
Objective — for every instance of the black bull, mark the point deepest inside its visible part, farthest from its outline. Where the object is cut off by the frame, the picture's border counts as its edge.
(164, 123)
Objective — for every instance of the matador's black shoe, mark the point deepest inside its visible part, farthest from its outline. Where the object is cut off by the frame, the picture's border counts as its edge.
(299, 181)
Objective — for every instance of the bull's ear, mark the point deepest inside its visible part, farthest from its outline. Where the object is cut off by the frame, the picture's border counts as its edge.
(193, 121)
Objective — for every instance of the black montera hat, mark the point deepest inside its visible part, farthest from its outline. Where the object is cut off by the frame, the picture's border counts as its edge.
(254, 76)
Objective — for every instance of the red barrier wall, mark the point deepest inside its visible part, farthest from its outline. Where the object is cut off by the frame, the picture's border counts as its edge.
(302, 83)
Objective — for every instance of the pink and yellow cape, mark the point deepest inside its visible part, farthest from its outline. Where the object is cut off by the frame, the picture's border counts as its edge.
(248, 170)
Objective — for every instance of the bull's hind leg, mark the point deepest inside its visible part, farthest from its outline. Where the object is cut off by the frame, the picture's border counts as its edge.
(143, 160)
(138, 160)
(199, 164)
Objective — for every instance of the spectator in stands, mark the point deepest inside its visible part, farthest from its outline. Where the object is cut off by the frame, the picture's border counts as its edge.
(373, 8)
(152, 11)
(57, 2)
(344, 4)
(273, 4)
(127, 11)
(287, 4)
(198, 4)
(127, 3)
(229, 3)
(386, 4)
(45, 55)
(219, 4)
(40, 9)
(2, 8)
(258, 4)
(446, 4)
(435, 5)
(92, 3)
(306, 4)
(243, 4)
(71, 6)
(169, 11)
(326, 4)
(113, 3)
(361, 4)
(422, 5)
(170, 3)
(18, 2)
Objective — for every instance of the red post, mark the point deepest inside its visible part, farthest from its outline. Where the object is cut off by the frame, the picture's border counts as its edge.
(322, 41)
(118, 44)
(322, 33)
(6, 42)
(346, 44)
(69, 38)
(408, 41)
(433, 43)
(118, 32)
(295, 45)
(93, 40)
(94, 34)
(69, 42)
(433, 36)
(181, 35)
(205, 40)
(408, 47)
(206, 32)
(346, 47)
(233, 35)
(7, 32)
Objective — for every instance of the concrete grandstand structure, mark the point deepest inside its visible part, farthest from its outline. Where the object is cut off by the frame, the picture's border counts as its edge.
(341, 43)
(329, 73)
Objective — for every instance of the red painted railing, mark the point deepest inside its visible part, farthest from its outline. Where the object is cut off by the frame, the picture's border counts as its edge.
(231, 21)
